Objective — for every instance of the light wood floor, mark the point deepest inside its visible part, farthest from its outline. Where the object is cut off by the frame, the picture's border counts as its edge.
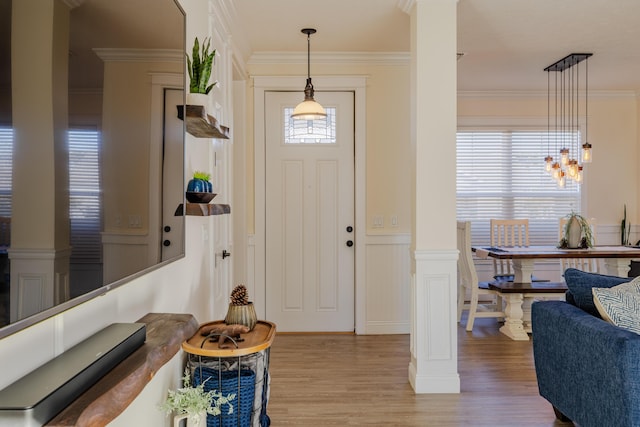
(348, 380)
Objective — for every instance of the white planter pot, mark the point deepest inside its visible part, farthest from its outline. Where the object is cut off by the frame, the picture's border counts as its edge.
(197, 99)
(574, 236)
(202, 420)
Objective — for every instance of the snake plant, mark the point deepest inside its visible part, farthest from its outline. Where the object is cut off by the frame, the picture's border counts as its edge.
(199, 67)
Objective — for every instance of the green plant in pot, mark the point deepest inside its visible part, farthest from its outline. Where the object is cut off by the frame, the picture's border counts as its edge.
(200, 66)
(577, 233)
(200, 183)
(200, 188)
(194, 403)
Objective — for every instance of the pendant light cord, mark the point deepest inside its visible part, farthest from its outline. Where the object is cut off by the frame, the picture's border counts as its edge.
(308, 55)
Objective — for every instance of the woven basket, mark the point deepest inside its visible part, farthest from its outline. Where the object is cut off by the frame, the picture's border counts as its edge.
(228, 382)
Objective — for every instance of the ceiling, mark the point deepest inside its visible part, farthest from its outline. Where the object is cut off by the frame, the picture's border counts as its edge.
(506, 43)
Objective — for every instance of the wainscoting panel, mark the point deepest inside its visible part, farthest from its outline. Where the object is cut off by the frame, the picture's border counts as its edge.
(387, 284)
(387, 274)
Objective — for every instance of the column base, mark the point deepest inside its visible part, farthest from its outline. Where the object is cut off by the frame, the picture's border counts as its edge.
(433, 383)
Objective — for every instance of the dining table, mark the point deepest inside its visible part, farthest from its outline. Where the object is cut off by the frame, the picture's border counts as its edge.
(519, 294)
(617, 259)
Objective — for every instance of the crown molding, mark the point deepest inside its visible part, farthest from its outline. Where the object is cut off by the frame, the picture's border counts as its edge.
(543, 94)
(71, 4)
(139, 55)
(405, 5)
(371, 58)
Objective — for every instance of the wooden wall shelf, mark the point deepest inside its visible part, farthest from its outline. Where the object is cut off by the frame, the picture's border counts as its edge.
(200, 124)
(203, 209)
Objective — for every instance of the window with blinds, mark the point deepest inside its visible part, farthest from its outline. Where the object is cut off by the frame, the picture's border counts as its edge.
(6, 168)
(85, 201)
(500, 174)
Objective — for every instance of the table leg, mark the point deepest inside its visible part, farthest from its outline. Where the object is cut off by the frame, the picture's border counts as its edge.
(617, 266)
(522, 269)
(513, 327)
(526, 313)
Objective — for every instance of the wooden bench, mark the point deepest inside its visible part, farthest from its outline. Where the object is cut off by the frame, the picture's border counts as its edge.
(518, 298)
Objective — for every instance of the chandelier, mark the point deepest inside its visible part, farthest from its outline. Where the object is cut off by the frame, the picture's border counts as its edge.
(565, 137)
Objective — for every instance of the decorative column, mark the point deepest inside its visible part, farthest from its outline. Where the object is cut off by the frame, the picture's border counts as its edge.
(434, 349)
(39, 251)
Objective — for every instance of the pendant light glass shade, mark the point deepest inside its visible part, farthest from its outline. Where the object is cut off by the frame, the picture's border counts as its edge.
(586, 153)
(309, 109)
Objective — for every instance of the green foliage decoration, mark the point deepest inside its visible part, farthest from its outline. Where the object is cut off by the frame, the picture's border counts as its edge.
(587, 233)
(195, 401)
(199, 67)
(201, 175)
(625, 229)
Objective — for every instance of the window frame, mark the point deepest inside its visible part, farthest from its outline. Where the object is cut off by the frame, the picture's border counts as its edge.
(480, 230)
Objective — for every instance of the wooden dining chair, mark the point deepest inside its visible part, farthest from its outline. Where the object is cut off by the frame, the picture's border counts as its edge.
(591, 265)
(507, 232)
(469, 286)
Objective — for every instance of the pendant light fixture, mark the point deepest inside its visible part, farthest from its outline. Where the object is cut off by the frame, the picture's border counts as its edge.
(309, 109)
(567, 97)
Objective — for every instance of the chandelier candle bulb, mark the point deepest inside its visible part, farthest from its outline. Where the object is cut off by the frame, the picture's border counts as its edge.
(586, 153)
(548, 163)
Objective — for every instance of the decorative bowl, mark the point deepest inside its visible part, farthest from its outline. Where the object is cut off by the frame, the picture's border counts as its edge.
(196, 197)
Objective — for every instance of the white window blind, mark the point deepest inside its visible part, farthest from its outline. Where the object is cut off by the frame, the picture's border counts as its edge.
(6, 170)
(500, 174)
(85, 200)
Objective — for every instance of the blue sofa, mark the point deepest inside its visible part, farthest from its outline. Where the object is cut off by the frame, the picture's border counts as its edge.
(588, 369)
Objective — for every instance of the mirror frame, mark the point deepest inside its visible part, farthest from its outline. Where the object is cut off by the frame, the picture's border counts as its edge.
(41, 316)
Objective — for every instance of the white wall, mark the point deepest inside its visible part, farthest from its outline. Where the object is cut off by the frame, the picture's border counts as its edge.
(184, 286)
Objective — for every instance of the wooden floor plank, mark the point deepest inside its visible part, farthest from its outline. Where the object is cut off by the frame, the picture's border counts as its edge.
(349, 380)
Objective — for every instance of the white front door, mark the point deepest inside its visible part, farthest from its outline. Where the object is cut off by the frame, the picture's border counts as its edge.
(310, 214)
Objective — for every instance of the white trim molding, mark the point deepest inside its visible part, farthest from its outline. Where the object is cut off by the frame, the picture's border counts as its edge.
(357, 84)
(139, 55)
(370, 58)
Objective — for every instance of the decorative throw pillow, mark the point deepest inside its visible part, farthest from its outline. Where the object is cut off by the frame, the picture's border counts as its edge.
(580, 284)
(620, 305)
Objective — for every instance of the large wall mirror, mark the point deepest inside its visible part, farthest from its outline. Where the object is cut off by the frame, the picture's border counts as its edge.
(92, 168)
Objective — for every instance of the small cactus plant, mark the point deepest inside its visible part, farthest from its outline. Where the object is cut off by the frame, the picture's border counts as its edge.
(201, 175)
(200, 183)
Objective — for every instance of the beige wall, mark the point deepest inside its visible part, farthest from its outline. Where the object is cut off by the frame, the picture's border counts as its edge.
(388, 155)
(612, 179)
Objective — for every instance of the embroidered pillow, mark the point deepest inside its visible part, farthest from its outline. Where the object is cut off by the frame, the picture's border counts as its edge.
(620, 305)
(580, 284)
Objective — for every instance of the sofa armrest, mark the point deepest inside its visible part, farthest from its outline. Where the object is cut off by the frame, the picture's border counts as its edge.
(587, 368)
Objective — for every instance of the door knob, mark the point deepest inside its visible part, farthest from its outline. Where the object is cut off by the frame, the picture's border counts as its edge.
(349, 243)
(225, 253)
(349, 229)
(167, 243)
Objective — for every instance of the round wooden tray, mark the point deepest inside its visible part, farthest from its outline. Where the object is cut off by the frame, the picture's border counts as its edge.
(257, 340)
